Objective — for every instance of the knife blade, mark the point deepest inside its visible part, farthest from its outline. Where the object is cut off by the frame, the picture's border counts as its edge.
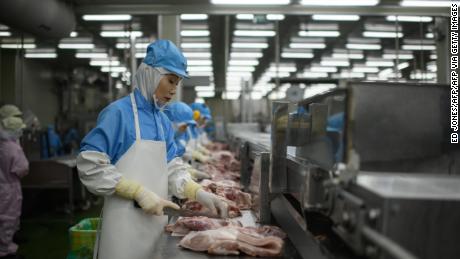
(183, 212)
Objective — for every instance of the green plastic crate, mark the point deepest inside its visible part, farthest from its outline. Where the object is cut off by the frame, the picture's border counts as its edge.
(83, 238)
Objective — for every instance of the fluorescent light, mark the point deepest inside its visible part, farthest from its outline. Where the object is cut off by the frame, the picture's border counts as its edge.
(365, 70)
(256, 95)
(418, 47)
(197, 62)
(113, 69)
(348, 56)
(433, 56)
(363, 46)
(204, 88)
(254, 33)
(121, 34)
(91, 55)
(334, 17)
(193, 16)
(352, 74)
(340, 2)
(251, 2)
(197, 54)
(230, 95)
(282, 69)
(296, 55)
(233, 88)
(250, 45)
(103, 63)
(40, 55)
(338, 63)
(393, 18)
(421, 76)
(403, 65)
(307, 45)
(240, 69)
(275, 17)
(73, 34)
(5, 33)
(319, 33)
(107, 17)
(201, 45)
(429, 35)
(246, 55)
(244, 62)
(379, 63)
(114, 74)
(314, 74)
(245, 16)
(324, 69)
(18, 46)
(140, 55)
(400, 56)
(199, 68)
(194, 33)
(205, 94)
(382, 34)
(199, 73)
(76, 46)
(426, 3)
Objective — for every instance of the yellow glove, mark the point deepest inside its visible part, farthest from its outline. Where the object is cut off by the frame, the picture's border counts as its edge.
(211, 201)
(190, 189)
(148, 200)
(200, 157)
(203, 150)
(198, 175)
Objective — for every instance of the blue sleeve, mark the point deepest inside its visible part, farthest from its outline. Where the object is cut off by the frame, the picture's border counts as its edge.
(171, 148)
(107, 136)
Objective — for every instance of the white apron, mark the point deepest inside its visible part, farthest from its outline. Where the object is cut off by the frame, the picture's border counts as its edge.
(128, 232)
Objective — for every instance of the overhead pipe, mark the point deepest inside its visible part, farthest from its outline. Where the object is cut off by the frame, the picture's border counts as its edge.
(44, 18)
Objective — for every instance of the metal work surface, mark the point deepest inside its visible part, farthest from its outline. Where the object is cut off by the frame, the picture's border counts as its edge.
(411, 186)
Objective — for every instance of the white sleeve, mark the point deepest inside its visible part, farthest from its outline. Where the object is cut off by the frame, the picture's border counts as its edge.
(97, 173)
(177, 177)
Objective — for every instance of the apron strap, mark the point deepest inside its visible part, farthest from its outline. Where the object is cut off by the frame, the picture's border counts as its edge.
(136, 117)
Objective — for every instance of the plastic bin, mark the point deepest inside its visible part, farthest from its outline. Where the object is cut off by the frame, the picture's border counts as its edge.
(82, 239)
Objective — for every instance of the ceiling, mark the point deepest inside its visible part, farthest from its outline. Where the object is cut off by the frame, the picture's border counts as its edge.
(241, 49)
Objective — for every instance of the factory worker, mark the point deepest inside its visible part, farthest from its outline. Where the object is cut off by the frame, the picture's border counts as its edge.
(181, 115)
(131, 155)
(13, 166)
(205, 115)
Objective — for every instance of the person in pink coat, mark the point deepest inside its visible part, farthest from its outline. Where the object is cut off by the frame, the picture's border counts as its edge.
(13, 166)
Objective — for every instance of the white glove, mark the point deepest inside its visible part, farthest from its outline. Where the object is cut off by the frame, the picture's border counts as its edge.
(203, 150)
(200, 157)
(198, 175)
(148, 200)
(212, 202)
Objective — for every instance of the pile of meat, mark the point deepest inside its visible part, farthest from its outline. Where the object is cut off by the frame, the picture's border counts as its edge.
(227, 237)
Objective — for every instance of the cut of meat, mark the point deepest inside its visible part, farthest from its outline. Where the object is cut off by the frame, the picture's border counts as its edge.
(231, 240)
(230, 190)
(184, 225)
(266, 230)
(233, 210)
(216, 146)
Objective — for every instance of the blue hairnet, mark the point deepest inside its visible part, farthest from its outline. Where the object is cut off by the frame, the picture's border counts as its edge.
(203, 109)
(179, 112)
(163, 53)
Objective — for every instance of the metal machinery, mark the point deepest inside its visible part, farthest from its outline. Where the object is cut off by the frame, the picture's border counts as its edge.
(364, 171)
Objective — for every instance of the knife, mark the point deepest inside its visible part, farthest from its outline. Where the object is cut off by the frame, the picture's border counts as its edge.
(183, 212)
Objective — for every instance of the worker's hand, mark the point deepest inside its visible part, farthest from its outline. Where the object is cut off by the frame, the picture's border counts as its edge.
(198, 175)
(204, 150)
(152, 203)
(212, 202)
(149, 201)
(200, 157)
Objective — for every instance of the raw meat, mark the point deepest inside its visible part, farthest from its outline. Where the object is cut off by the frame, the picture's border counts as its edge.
(233, 210)
(216, 146)
(232, 240)
(229, 190)
(184, 225)
(266, 230)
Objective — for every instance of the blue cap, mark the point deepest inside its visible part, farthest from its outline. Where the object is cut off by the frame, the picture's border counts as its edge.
(179, 112)
(203, 109)
(163, 53)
